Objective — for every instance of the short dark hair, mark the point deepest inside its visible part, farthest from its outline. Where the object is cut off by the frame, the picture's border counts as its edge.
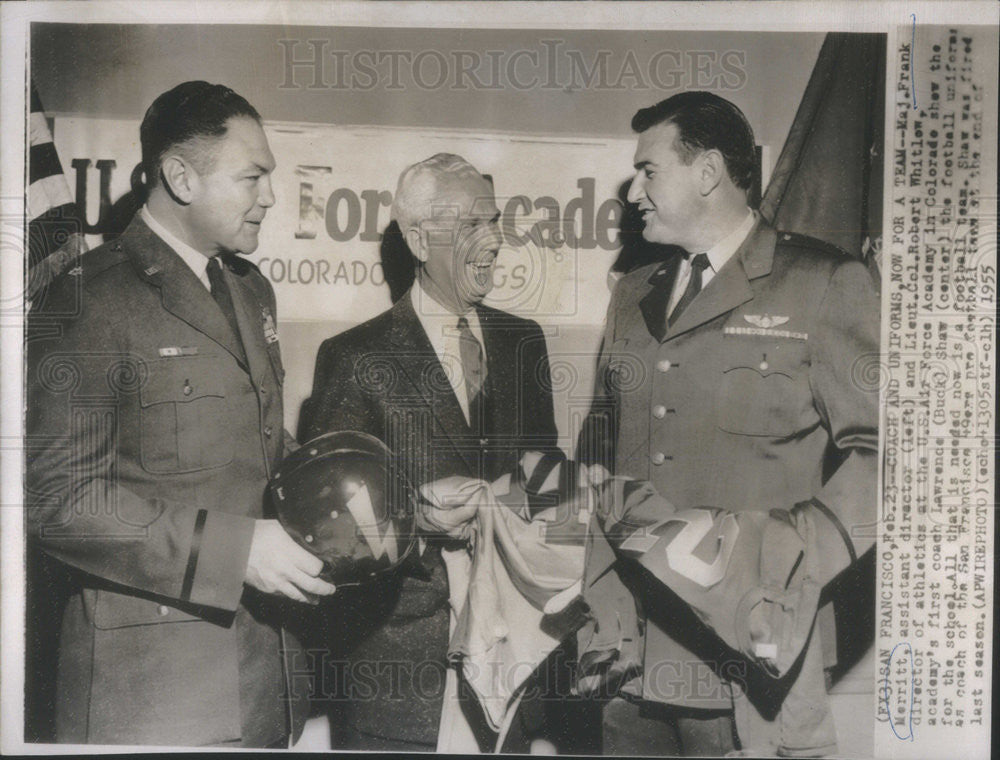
(189, 112)
(705, 122)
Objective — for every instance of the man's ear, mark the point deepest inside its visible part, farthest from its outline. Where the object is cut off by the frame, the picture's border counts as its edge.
(417, 240)
(713, 170)
(178, 177)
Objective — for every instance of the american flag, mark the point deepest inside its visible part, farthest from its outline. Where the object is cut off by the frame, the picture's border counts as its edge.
(55, 229)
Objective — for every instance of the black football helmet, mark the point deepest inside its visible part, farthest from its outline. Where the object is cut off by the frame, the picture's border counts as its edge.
(343, 497)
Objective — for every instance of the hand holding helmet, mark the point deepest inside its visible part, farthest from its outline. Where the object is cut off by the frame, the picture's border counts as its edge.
(343, 498)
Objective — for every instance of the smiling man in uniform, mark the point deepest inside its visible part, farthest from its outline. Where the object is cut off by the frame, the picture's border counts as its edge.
(728, 379)
(154, 420)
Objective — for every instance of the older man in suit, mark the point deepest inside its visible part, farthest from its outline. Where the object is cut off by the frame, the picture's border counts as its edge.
(454, 388)
(154, 420)
(728, 379)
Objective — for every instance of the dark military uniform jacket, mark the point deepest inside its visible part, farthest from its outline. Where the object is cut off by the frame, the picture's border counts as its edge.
(151, 432)
(384, 378)
(758, 397)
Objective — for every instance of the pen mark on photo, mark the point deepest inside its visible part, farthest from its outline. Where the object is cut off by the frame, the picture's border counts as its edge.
(886, 691)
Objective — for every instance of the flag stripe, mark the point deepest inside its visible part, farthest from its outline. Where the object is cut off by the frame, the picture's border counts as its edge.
(43, 161)
(36, 102)
(40, 274)
(48, 193)
(51, 231)
(38, 129)
(64, 212)
(55, 232)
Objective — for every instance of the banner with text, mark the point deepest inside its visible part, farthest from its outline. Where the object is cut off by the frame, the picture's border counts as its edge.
(322, 244)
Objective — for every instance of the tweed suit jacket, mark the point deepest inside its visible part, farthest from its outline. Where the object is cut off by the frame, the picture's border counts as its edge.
(756, 398)
(152, 430)
(384, 378)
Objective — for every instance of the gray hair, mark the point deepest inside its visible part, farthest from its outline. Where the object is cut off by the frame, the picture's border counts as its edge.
(419, 184)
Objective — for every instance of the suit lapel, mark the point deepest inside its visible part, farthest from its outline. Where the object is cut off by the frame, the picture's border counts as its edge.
(419, 364)
(181, 292)
(731, 285)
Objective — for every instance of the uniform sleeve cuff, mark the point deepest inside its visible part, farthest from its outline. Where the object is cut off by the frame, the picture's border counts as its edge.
(218, 562)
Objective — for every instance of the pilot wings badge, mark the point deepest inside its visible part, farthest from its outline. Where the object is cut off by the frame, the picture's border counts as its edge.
(765, 321)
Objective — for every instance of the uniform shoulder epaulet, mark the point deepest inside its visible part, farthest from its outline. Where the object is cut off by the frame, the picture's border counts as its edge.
(65, 287)
(797, 240)
(93, 263)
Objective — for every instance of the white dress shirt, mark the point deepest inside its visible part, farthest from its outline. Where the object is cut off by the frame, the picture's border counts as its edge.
(198, 262)
(441, 327)
(718, 255)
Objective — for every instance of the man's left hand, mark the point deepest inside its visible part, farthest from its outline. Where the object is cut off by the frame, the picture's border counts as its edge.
(450, 505)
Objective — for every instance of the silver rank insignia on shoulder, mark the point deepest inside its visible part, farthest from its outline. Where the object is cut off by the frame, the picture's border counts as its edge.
(150, 271)
(75, 271)
(765, 320)
(270, 333)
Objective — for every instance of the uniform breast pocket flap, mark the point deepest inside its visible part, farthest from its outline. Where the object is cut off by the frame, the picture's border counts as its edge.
(183, 416)
(770, 402)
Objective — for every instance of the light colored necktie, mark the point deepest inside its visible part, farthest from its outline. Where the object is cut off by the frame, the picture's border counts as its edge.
(473, 369)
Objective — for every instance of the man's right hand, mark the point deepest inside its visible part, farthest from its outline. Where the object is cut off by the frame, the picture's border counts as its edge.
(278, 565)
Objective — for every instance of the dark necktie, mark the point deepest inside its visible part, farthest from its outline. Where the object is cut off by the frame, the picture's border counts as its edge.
(473, 369)
(222, 296)
(698, 265)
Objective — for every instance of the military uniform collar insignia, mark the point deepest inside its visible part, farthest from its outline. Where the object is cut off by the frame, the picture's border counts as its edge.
(663, 274)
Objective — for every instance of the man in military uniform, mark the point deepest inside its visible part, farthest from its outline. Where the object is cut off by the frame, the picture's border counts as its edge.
(154, 420)
(726, 379)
